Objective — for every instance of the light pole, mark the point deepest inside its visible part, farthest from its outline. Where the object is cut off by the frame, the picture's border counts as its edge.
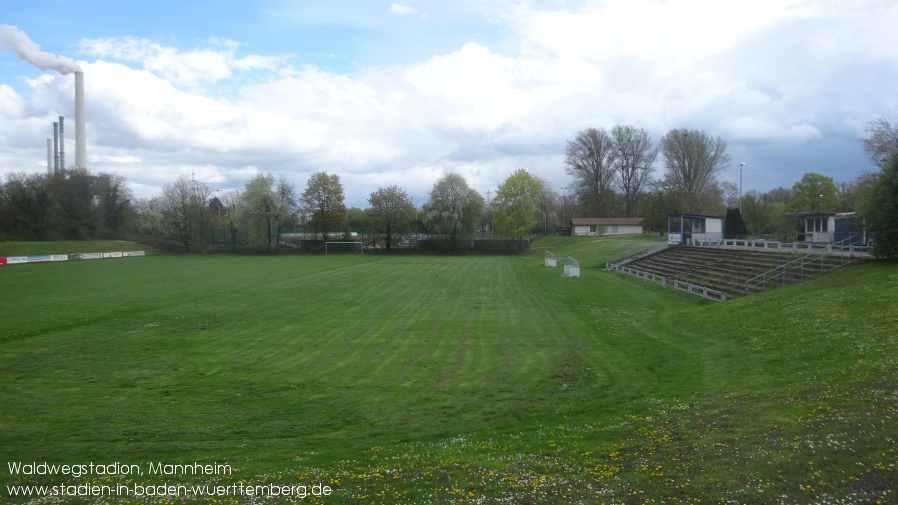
(740, 187)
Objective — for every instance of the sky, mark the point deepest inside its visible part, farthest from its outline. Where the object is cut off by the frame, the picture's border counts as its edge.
(382, 92)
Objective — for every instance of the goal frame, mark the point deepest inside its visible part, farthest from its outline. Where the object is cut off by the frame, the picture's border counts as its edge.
(361, 247)
(550, 259)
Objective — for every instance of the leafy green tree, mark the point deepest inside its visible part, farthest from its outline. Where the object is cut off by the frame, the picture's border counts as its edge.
(73, 192)
(27, 206)
(263, 209)
(814, 192)
(453, 210)
(880, 210)
(515, 206)
(391, 211)
(322, 203)
(113, 202)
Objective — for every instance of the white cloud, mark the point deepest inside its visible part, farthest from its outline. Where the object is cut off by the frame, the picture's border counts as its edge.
(188, 68)
(12, 105)
(402, 9)
(768, 71)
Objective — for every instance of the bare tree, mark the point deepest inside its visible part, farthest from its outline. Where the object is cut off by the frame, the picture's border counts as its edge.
(590, 160)
(183, 208)
(730, 193)
(231, 206)
(778, 195)
(634, 156)
(547, 205)
(881, 140)
(288, 204)
(692, 159)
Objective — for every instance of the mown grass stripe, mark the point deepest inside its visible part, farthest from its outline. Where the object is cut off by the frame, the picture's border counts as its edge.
(491, 375)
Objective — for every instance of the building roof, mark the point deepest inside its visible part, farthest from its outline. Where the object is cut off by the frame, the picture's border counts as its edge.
(606, 221)
(692, 216)
(810, 213)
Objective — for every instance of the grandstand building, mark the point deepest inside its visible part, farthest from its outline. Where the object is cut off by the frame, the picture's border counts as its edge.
(699, 228)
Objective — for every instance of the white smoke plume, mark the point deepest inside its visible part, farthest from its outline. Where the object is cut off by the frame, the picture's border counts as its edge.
(15, 39)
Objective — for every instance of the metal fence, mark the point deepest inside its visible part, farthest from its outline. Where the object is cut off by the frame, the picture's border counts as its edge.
(678, 285)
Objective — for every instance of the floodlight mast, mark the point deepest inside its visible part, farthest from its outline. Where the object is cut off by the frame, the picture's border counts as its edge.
(740, 187)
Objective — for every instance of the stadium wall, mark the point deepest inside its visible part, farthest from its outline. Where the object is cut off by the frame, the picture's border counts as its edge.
(47, 258)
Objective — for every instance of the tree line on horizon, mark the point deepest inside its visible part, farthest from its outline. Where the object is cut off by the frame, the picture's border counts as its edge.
(612, 172)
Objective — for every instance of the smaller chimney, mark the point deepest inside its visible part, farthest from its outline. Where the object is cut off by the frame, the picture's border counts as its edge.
(55, 148)
(50, 157)
(61, 143)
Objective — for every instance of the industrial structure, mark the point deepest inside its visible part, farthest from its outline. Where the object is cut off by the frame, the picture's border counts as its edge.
(56, 145)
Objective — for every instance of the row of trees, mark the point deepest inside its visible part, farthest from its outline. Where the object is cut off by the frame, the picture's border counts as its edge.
(613, 169)
(186, 210)
(70, 205)
(187, 215)
(612, 172)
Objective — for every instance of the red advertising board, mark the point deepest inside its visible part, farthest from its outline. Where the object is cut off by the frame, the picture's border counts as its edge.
(2, 261)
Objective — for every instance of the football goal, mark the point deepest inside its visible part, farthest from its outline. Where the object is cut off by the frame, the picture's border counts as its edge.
(342, 248)
(551, 260)
(571, 267)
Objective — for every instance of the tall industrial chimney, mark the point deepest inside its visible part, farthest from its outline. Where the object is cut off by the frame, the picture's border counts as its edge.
(50, 157)
(61, 143)
(55, 148)
(80, 139)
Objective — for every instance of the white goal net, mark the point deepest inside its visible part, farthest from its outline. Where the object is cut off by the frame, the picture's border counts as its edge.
(571, 267)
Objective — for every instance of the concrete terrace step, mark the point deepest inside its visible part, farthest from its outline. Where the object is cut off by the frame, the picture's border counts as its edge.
(728, 270)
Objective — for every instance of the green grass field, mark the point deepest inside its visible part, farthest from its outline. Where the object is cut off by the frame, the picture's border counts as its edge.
(425, 379)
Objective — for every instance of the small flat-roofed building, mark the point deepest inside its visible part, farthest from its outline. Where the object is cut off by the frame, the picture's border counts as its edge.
(681, 228)
(601, 226)
(820, 227)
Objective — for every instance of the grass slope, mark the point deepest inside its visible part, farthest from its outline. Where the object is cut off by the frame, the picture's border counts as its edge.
(459, 379)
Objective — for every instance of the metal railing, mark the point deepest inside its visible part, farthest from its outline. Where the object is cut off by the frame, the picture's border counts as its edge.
(702, 291)
(678, 285)
(844, 247)
(635, 253)
(820, 254)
